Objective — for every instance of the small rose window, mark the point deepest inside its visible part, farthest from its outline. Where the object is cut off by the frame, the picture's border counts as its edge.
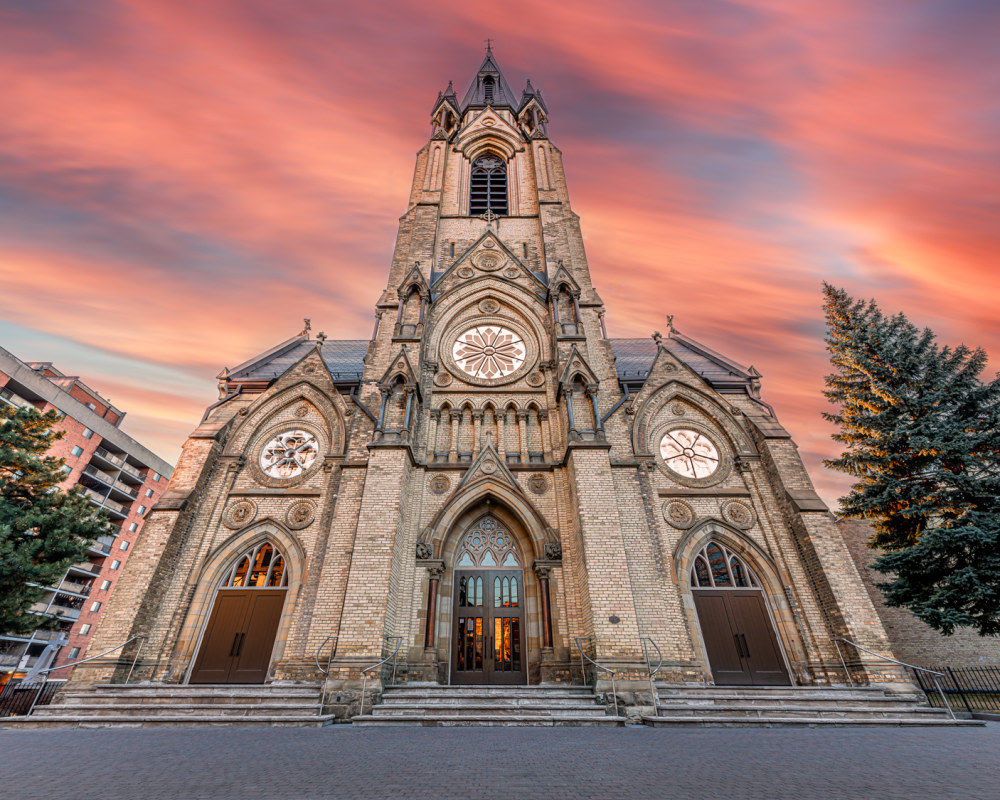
(489, 351)
(689, 453)
(289, 454)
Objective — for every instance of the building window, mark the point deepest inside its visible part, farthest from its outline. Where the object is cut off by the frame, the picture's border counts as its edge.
(115, 564)
(105, 585)
(67, 469)
(85, 629)
(149, 493)
(133, 527)
(87, 433)
(488, 187)
(77, 450)
(74, 652)
(156, 476)
(91, 406)
(123, 546)
(142, 510)
(95, 606)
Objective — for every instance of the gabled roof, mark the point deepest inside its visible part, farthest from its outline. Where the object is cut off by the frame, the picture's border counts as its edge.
(343, 357)
(529, 94)
(503, 95)
(634, 357)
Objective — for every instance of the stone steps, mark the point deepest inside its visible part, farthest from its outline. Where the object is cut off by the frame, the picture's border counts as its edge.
(488, 706)
(150, 705)
(730, 706)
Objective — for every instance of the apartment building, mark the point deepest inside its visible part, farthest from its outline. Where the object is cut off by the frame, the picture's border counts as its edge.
(115, 471)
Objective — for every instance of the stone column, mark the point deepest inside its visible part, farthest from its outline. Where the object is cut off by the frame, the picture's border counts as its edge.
(501, 433)
(435, 570)
(456, 418)
(477, 427)
(522, 427)
(543, 423)
(543, 572)
(435, 416)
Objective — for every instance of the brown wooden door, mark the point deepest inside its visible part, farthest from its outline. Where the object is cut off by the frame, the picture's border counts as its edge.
(742, 646)
(489, 628)
(240, 636)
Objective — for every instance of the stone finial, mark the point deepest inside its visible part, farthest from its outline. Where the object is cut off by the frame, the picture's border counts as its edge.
(658, 338)
(670, 325)
(306, 327)
(321, 337)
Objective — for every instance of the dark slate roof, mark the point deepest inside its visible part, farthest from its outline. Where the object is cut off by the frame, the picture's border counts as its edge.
(343, 357)
(503, 95)
(529, 93)
(634, 358)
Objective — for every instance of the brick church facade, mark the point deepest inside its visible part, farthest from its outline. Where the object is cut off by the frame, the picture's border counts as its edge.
(490, 480)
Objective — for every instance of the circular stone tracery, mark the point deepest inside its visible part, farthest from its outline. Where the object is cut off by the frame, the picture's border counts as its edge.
(689, 453)
(289, 454)
(489, 351)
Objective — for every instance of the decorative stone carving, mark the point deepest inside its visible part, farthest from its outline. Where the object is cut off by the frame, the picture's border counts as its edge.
(535, 379)
(678, 409)
(239, 514)
(424, 550)
(489, 306)
(679, 514)
(465, 272)
(442, 379)
(489, 466)
(489, 260)
(440, 484)
(553, 551)
(539, 484)
(302, 411)
(489, 244)
(738, 514)
(670, 368)
(309, 369)
(300, 514)
(512, 272)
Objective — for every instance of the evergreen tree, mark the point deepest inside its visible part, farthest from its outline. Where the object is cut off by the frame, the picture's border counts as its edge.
(922, 436)
(43, 530)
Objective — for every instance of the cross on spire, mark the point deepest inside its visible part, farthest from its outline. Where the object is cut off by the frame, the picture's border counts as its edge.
(489, 45)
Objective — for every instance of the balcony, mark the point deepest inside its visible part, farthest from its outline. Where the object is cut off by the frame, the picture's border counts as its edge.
(133, 471)
(88, 568)
(104, 502)
(110, 457)
(102, 546)
(78, 589)
(7, 396)
(110, 480)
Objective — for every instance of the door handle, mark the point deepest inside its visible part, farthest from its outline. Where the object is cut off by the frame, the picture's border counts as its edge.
(239, 647)
(739, 647)
(746, 649)
(232, 647)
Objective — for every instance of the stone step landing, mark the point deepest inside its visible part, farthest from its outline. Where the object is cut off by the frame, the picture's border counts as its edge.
(164, 706)
(767, 707)
(489, 706)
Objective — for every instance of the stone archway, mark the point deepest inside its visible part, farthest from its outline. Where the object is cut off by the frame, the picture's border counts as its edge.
(739, 616)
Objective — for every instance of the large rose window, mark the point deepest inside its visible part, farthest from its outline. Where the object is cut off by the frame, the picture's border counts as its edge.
(489, 351)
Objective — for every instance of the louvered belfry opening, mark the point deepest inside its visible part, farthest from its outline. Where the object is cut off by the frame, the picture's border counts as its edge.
(488, 190)
(488, 89)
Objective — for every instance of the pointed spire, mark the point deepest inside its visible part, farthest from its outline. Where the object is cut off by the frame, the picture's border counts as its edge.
(489, 87)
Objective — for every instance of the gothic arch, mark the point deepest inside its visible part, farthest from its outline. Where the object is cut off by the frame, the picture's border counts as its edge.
(504, 499)
(649, 410)
(263, 412)
(215, 568)
(772, 584)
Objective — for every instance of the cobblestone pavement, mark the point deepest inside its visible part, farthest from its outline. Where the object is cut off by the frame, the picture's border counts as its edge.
(478, 763)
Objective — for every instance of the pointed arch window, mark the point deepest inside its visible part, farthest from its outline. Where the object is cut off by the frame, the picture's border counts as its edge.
(488, 544)
(716, 567)
(488, 186)
(263, 567)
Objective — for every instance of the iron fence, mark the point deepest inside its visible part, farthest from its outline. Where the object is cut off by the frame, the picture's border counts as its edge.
(18, 698)
(972, 689)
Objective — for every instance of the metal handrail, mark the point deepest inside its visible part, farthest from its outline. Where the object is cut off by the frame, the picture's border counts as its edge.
(366, 670)
(652, 672)
(914, 667)
(329, 658)
(583, 672)
(45, 672)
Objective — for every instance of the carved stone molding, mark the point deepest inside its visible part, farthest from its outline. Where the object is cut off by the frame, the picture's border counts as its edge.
(239, 514)
(679, 514)
(301, 514)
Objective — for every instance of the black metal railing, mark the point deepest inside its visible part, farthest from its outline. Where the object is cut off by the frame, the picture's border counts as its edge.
(17, 700)
(971, 689)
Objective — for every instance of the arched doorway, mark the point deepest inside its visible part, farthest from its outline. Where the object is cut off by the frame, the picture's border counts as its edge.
(736, 627)
(488, 612)
(239, 637)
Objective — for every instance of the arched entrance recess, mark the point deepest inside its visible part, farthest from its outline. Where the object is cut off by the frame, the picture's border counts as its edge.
(488, 606)
(736, 626)
(239, 637)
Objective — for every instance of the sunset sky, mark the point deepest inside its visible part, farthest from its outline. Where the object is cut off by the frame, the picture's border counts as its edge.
(181, 183)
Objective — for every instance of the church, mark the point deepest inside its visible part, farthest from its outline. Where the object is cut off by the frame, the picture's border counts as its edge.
(490, 490)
